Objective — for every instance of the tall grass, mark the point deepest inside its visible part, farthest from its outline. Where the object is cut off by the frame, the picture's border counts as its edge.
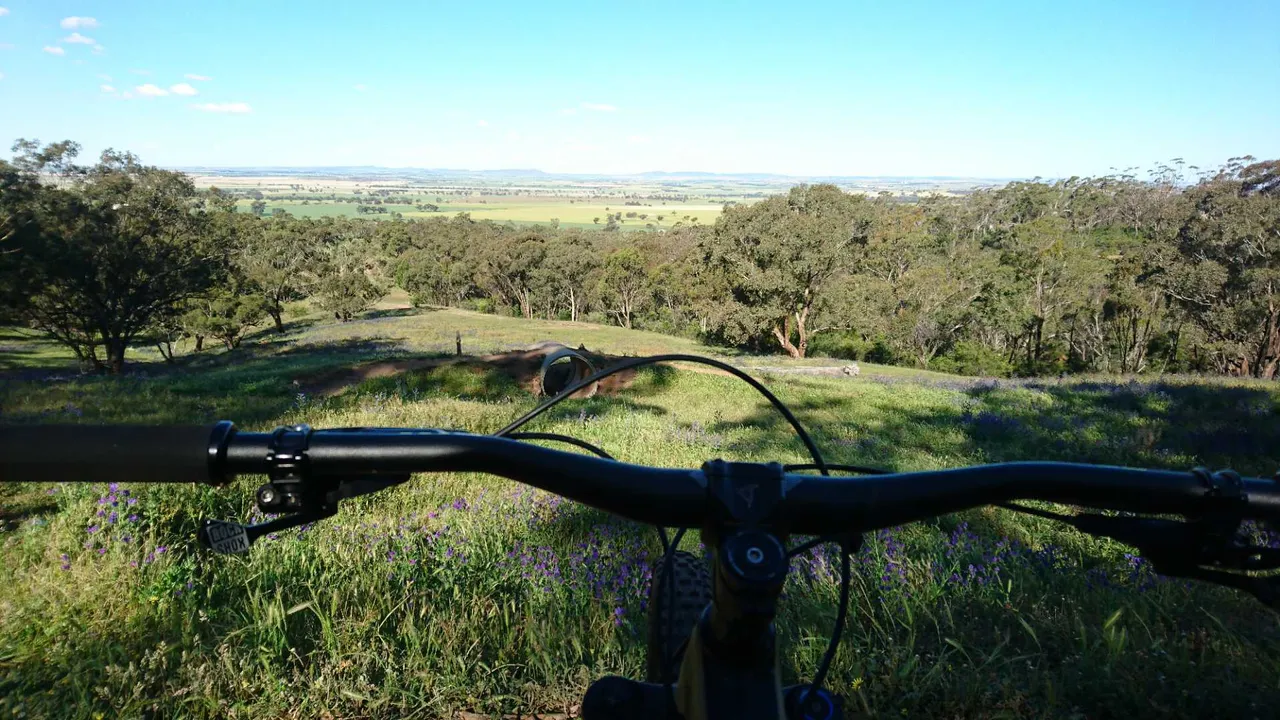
(459, 591)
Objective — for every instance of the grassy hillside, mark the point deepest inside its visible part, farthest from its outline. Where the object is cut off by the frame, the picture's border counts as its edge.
(467, 592)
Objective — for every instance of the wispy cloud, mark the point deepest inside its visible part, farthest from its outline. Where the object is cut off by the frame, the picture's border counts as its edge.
(1, 76)
(54, 50)
(107, 89)
(183, 89)
(512, 135)
(78, 23)
(150, 90)
(482, 123)
(232, 107)
(201, 78)
(360, 87)
(4, 11)
(638, 139)
(140, 72)
(76, 38)
(104, 77)
(599, 107)
(569, 111)
(98, 50)
(126, 94)
(7, 46)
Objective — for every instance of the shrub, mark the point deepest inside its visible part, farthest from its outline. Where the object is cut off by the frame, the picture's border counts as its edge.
(973, 358)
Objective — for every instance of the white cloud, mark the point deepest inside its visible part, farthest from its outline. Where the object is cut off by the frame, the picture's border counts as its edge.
(183, 89)
(7, 46)
(637, 139)
(233, 107)
(126, 94)
(107, 89)
(360, 87)
(98, 49)
(78, 23)
(201, 78)
(599, 107)
(76, 38)
(140, 72)
(512, 135)
(150, 90)
(482, 123)
(4, 11)
(53, 50)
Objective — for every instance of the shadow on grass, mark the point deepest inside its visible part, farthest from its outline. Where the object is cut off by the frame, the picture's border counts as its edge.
(289, 327)
(1156, 424)
(250, 385)
(23, 358)
(19, 502)
(396, 313)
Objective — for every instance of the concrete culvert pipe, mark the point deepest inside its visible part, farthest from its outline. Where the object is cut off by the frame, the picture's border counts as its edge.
(563, 367)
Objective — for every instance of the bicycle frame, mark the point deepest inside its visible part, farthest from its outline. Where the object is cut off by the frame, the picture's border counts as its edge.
(730, 667)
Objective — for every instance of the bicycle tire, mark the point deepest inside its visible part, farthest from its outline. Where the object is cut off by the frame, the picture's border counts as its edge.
(691, 580)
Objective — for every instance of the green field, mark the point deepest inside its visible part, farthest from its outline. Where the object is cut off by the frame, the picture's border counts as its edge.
(520, 210)
(461, 592)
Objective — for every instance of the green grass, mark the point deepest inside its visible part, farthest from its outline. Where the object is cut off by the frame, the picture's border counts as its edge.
(419, 601)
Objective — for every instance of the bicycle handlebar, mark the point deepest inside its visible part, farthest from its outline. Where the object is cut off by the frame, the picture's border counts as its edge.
(813, 504)
(106, 453)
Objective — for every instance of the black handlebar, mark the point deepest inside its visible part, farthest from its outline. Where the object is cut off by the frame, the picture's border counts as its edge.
(108, 453)
(814, 505)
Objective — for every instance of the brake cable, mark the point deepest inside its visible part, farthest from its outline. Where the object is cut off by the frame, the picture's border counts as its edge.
(567, 439)
(669, 547)
(841, 611)
(819, 463)
(1205, 547)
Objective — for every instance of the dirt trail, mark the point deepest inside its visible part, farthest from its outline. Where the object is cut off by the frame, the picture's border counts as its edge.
(523, 366)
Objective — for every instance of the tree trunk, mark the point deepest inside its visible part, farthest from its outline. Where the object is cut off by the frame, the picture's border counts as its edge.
(276, 316)
(199, 343)
(802, 333)
(115, 355)
(1039, 346)
(783, 334)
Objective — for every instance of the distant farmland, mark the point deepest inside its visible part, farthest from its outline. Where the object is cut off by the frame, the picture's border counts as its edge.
(644, 202)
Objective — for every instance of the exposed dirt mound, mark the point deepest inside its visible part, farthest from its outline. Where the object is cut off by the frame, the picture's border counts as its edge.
(523, 366)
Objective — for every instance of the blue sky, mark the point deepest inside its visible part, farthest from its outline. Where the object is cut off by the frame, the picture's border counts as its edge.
(987, 89)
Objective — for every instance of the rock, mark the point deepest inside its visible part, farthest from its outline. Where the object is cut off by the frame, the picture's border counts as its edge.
(851, 369)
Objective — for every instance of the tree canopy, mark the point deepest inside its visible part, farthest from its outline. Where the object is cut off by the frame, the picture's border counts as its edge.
(1109, 274)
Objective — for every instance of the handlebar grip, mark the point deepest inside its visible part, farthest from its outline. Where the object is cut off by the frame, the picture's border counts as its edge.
(111, 453)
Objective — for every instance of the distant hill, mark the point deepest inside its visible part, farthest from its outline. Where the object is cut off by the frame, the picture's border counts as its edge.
(382, 173)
